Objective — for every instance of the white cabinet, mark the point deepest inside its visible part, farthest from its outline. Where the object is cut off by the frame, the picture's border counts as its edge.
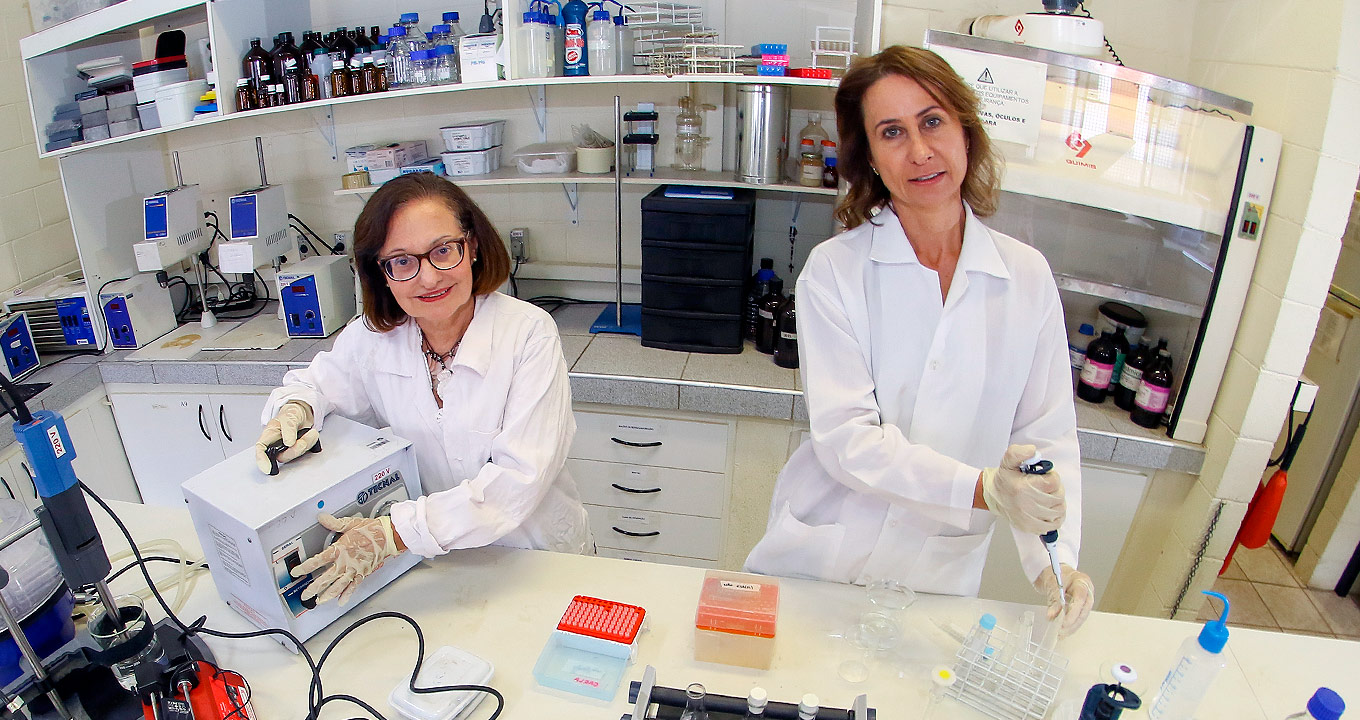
(1109, 498)
(171, 436)
(656, 487)
(99, 461)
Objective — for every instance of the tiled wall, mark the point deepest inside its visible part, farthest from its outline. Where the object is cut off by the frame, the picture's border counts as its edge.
(1299, 62)
(35, 234)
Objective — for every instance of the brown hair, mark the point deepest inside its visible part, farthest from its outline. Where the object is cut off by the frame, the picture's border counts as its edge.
(491, 262)
(982, 182)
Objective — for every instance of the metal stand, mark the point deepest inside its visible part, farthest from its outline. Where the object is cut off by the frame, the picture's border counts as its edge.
(617, 318)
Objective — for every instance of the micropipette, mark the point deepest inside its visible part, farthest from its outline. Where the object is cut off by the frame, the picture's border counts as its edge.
(1039, 466)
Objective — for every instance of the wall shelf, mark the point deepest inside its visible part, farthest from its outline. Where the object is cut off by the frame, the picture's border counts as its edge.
(101, 23)
(511, 176)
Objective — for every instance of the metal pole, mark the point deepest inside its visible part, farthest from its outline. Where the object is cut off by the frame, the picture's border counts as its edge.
(17, 535)
(17, 632)
(618, 211)
(179, 175)
(106, 597)
(259, 153)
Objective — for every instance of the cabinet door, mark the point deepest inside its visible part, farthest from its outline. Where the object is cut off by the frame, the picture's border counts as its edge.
(103, 468)
(18, 481)
(237, 420)
(168, 439)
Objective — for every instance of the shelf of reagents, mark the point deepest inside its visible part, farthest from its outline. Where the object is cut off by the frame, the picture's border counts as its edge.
(663, 176)
(454, 88)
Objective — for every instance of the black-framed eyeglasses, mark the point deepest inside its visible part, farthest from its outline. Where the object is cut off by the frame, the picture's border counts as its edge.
(444, 256)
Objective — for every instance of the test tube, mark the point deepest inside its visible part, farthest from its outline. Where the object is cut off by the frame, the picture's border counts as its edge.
(979, 640)
(941, 679)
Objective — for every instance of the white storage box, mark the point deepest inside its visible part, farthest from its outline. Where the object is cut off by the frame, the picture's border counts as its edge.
(474, 162)
(544, 158)
(255, 529)
(175, 103)
(147, 85)
(477, 135)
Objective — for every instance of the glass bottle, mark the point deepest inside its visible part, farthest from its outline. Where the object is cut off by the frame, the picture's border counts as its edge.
(786, 335)
(311, 86)
(814, 131)
(245, 95)
(1154, 392)
(362, 40)
(809, 164)
(357, 84)
(756, 288)
(285, 52)
(292, 82)
(689, 135)
(380, 65)
(370, 75)
(445, 67)
(310, 43)
(375, 33)
(264, 94)
(107, 635)
(1138, 361)
(756, 700)
(769, 305)
(694, 703)
(1121, 353)
(256, 64)
(1324, 705)
(440, 35)
(831, 175)
(411, 21)
(398, 59)
(340, 80)
(1097, 369)
(344, 44)
(279, 94)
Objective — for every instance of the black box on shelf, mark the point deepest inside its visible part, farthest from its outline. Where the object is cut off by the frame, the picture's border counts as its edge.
(685, 331)
(727, 222)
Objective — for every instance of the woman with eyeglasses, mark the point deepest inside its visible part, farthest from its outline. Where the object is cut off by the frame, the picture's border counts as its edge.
(473, 378)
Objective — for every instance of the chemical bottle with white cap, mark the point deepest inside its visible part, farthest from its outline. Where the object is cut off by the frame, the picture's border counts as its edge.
(1198, 663)
(756, 701)
(1324, 705)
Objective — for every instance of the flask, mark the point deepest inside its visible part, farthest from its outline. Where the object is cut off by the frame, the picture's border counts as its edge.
(1154, 392)
(809, 164)
(245, 95)
(1197, 664)
(756, 700)
(1097, 369)
(1324, 705)
(574, 48)
(689, 135)
(786, 335)
(808, 707)
(623, 45)
(756, 287)
(604, 58)
(1137, 362)
(694, 703)
(769, 305)
(1076, 348)
(257, 64)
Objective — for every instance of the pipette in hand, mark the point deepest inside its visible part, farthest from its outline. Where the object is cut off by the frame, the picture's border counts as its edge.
(1039, 466)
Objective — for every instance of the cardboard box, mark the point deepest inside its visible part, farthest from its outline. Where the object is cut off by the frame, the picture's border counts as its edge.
(385, 157)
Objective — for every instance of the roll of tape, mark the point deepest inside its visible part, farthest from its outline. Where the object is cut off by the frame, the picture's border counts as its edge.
(354, 180)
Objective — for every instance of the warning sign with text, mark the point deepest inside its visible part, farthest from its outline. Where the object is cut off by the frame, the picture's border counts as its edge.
(1011, 91)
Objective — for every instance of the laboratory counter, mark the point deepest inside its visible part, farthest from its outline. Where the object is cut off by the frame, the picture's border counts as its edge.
(617, 370)
(501, 604)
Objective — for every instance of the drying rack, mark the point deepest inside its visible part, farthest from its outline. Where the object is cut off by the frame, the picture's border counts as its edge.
(1006, 676)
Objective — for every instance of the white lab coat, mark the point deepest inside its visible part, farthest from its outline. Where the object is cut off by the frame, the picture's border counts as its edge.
(492, 461)
(908, 399)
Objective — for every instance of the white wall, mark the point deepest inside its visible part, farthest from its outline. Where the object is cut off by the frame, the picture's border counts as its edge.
(35, 234)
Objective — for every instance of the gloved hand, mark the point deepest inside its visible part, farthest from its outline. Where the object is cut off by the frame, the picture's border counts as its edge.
(1081, 597)
(361, 548)
(1032, 504)
(293, 416)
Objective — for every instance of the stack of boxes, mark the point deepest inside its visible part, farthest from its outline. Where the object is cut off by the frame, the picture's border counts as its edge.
(774, 59)
(92, 116)
(384, 162)
(696, 255)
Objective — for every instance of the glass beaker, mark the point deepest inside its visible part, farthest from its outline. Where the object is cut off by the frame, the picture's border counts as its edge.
(104, 631)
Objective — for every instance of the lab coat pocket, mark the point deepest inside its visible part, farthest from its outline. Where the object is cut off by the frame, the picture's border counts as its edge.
(472, 451)
(792, 548)
(950, 565)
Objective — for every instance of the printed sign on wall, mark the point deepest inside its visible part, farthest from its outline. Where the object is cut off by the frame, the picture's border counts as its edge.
(1011, 90)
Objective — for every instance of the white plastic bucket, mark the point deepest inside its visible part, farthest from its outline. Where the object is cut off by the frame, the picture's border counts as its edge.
(175, 103)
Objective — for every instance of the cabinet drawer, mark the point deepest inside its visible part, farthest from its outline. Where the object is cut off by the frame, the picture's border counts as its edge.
(655, 558)
(641, 487)
(656, 532)
(684, 444)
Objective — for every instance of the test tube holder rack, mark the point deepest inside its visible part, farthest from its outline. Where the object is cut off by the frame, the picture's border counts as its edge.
(1006, 676)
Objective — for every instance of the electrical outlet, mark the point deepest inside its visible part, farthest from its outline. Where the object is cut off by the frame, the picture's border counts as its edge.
(519, 245)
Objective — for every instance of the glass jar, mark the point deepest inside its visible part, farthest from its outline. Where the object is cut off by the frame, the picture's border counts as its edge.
(245, 95)
(809, 165)
(422, 68)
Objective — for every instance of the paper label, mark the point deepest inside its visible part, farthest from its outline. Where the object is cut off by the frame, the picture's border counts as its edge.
(230, 556)
(1097, 374)
(738, 586)
(54, 437)
(1152, 399)
(236, 257)
(1131, 377)
(1011, 92)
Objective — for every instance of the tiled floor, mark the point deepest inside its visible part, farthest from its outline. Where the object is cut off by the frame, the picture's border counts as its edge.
(1265, 594)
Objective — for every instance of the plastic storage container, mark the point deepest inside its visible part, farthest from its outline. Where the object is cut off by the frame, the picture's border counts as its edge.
(175, 103)
(693, 259)
(582, 665)
(475, 135)
(471, 162)
(735, 621)
(700, 220)
(698, 294)
(545, 158)
(687, 331)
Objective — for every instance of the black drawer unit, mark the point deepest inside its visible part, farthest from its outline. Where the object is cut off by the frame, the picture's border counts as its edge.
(696, 256)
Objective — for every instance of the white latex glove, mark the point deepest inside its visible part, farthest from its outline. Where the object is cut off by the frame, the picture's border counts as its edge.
(1032, 504)
(361, 548)
(292, 417)
(1081, 597)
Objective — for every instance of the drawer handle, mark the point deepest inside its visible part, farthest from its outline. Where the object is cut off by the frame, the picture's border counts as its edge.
(621, 531)
(635, 491)
(637, 444)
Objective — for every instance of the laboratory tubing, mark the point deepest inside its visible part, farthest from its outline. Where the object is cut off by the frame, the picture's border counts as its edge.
(1324, 705)
(1154, 392)
(604, 58)
(576, 62)
(1097, 369)
(694, 703)
(1197, 664)
(756, 701)
(808, 707)
(1076, 348)
(786, 336)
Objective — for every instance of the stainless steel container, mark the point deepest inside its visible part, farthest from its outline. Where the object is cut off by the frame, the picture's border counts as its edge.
(762, 133)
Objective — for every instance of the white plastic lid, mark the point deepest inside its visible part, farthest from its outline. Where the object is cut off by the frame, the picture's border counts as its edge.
(808, 706)
(757, 699)
(33, 573)
(446, 666)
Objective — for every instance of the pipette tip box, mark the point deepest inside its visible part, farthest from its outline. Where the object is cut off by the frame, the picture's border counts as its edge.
(735, 620)
(591, 648)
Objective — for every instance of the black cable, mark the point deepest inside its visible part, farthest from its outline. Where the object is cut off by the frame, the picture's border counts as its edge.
(514, 287)
(1082, 6)
(308, 228)
(1288, 427)
(68, 356)
(306, 239)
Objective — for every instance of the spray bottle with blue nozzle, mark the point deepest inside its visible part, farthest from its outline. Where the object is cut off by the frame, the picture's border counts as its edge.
(1193, 671)
(1039, 466)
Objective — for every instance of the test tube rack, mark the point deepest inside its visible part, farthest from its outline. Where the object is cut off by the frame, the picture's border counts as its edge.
(650, 700)
(1006, 676)
(833, 48)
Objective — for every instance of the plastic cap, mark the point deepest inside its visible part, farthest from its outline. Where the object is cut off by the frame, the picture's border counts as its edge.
(397, 32)
(420, 55)
(444, 50)
(808, 142)
(757, 699)
(810, 704)
(410, 17)
(529, 17)
(450, 17)
(618, 19)
(1124, 674)
(441, 29)
(1086, 329)
(767, 263)
(1326, 705)
(600, 15)
(1215, 633)
(319, 51)
(815, 117)
(942, 677)
(830, 162)
(988, 621)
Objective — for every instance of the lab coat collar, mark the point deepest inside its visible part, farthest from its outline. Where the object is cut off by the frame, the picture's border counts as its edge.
(402, 354)
(979, 253)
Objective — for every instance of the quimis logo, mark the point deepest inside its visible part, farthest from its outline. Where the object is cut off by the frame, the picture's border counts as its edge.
(1082, 146)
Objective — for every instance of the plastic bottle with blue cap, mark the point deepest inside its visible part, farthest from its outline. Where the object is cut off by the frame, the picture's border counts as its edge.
(1198, 663)
(1324, 705)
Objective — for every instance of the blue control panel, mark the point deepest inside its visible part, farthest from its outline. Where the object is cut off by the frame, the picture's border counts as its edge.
(156, 217)
(244, 220)
(16, 344)
(120, 323)
(302, 308)
(76, 326)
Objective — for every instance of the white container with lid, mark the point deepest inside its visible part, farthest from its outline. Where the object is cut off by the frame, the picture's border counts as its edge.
(545, 158)
(33, 573)
(446, 666)
(472, 162)
(473, 135)
(175, 103)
